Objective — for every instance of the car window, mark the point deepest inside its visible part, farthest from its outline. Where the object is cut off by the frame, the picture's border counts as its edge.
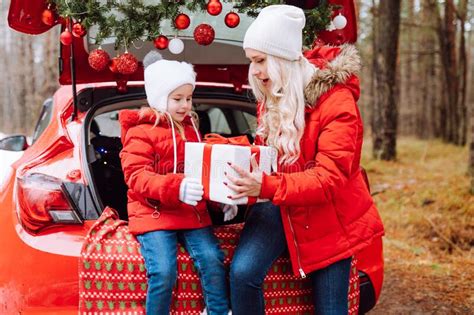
(219, 122)
(246, 122)
(251, 120)
(44, 119)
(106, 124)
(212, 119)
(223, 33)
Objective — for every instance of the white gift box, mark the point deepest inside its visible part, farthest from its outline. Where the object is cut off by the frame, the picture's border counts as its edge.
(211, 172)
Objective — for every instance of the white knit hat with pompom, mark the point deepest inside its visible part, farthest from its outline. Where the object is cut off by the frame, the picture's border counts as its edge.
(164, 76)
(277, 31)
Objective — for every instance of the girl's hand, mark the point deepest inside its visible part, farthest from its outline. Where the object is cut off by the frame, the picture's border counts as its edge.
(249, 184)
(190, 191)
(230, 211)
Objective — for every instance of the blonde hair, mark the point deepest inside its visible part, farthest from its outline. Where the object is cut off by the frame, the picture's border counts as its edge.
(283, 107)
(145, 111)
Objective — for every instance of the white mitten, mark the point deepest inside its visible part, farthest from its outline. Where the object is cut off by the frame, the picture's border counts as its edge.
(230, 211)
(190, 191)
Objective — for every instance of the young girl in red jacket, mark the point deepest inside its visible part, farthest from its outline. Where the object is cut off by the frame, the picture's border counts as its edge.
(163, 206)
(321, 210)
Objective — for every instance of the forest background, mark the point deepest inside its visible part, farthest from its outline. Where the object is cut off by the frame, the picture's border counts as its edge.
(417, 103)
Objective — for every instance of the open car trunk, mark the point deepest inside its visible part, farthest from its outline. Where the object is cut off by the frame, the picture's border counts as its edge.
(220, 111)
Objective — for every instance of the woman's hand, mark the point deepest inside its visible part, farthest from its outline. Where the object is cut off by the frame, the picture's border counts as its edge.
(249, 184)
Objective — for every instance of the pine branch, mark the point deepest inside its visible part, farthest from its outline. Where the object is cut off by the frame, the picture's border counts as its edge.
(133, 20)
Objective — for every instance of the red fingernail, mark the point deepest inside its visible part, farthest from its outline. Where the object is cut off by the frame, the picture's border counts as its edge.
(225, 183)
(229, 163)
(225, 173)
(230, 197)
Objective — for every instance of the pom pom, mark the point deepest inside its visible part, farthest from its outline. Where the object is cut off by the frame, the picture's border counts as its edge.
(151, 57)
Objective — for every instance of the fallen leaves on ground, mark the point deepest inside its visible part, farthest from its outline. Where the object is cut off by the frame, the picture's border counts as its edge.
(428, 213)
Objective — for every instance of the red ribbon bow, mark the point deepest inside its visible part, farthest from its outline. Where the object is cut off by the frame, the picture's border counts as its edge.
(214, 138)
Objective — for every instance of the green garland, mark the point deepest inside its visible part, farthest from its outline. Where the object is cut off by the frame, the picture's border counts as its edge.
(140, 21)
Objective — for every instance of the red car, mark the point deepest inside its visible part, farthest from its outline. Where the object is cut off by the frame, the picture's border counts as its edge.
(59, 187)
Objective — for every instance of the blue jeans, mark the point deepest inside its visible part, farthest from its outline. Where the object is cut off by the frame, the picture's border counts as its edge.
(262, 241)
(159, 248)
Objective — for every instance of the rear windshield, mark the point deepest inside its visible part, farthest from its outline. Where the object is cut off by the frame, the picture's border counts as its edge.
(223, 33)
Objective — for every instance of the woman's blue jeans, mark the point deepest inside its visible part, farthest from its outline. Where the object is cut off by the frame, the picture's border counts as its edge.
(262, 241)
(159, 248)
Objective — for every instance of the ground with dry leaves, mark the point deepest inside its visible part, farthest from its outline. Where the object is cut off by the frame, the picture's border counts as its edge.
(428, 213)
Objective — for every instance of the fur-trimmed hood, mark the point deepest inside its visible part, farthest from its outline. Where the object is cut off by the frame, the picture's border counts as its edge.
(335, 65)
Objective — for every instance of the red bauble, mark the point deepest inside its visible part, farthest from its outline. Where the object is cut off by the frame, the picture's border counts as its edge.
(78, 30)
(122, 86)
(98, 59)
(214, 7)
(66, 37)
(48, 17)
(127, 64)
(161, 42)
(232, 19)
(182, 21)
(113, 65)
(204, 34)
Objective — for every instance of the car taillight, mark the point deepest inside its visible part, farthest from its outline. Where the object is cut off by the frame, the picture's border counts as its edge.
(42, 201)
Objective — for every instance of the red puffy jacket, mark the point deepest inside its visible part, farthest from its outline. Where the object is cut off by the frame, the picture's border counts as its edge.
(148, 161)
(327, 211)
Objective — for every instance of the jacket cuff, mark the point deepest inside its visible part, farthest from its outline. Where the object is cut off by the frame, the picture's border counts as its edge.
(170, 194)
(269, 186)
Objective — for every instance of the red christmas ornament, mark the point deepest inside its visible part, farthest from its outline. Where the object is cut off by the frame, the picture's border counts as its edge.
(232, 19)
(182, 21)
(127, 64)
(122, 86)
(113, 65)
(204, 34)
(161, 42)
(66, 37)
(78, 30)
(214, 7)
(98, 59)
(48, 17)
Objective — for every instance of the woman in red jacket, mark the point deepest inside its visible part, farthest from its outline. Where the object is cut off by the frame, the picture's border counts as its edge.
(320, 210)
(163, 206)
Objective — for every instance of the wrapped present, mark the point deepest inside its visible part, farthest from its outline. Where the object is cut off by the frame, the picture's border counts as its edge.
(112, 275)
(208, 162)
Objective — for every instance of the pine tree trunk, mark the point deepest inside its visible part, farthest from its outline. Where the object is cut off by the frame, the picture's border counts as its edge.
(429, 96)
(385, 72)
(410, 97)
(375, 120)
(462, 76)
(31, 107)
(471, 150)
(470, 93)
(447, 38)
(50, 64)
(3, 66)
(6, 123)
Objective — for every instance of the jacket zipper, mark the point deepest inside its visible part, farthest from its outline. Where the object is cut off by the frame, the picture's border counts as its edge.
(156, 214)
(301, 271)
(197, 214)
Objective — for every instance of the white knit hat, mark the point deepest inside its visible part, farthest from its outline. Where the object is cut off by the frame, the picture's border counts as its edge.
(277, 31)
(164, 76)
